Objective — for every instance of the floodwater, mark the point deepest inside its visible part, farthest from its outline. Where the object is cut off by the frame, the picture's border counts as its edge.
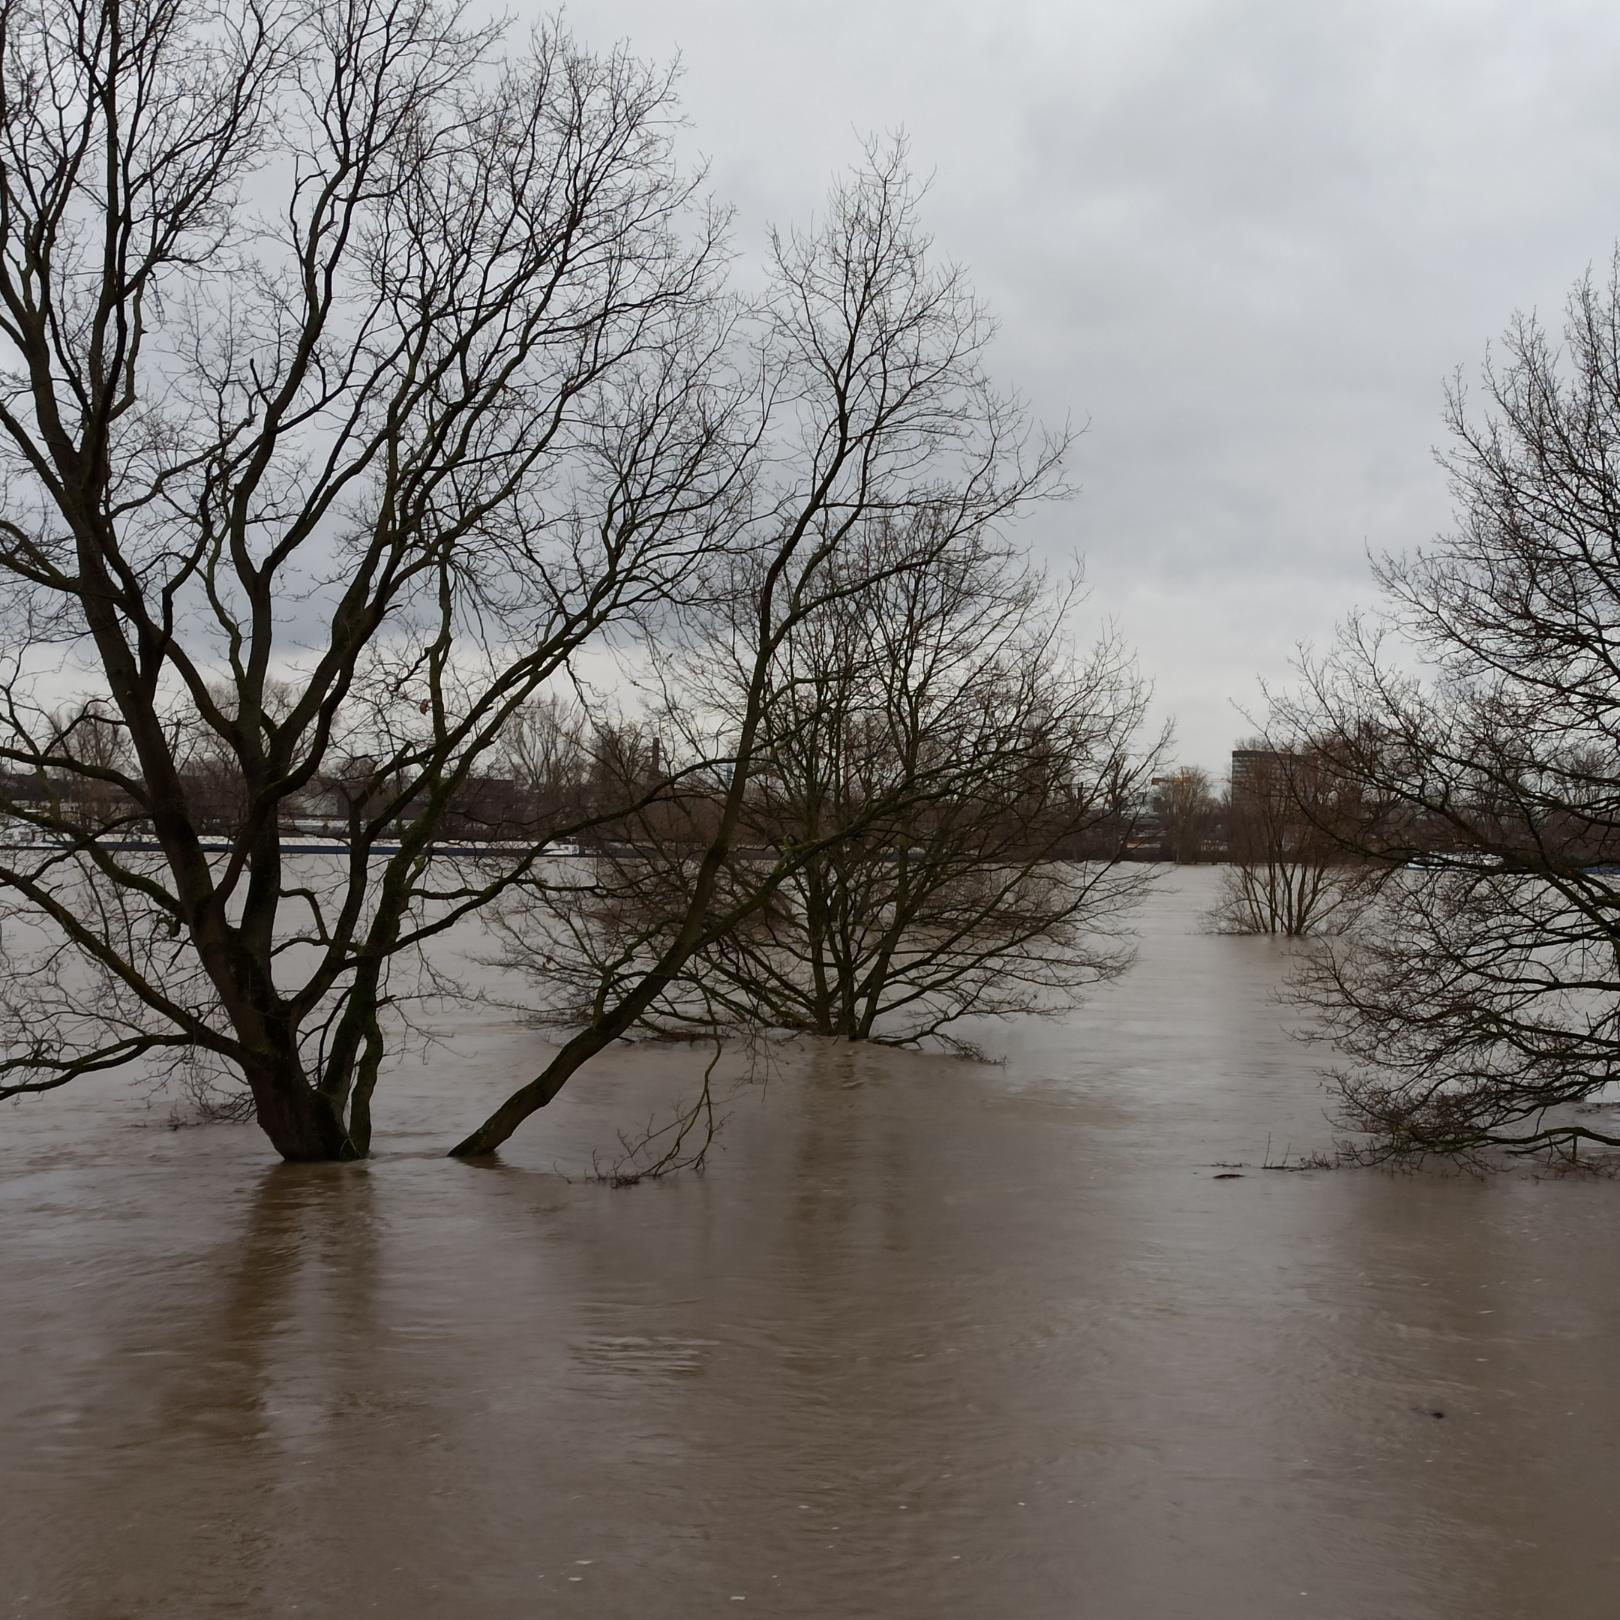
(930, 1339)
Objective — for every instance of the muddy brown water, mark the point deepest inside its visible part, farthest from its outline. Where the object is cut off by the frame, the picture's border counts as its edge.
(930, 1339)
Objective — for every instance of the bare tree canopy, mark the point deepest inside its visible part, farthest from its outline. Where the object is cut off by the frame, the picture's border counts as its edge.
(1481, 1000)
(1288, 869)
(359, 372)
(1188, 813)
(882, 419)
(931, 834)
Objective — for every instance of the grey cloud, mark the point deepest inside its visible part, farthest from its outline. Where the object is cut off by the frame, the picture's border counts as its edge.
(1248, 240)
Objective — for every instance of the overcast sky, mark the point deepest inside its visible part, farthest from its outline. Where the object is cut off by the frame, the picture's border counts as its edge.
(1245, 240)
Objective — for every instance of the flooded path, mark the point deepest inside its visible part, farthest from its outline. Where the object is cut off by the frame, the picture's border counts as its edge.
(930, 1339)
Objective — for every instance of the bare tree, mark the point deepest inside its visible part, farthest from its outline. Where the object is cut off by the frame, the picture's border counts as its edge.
(881, 416)
(932, 757)
(544, 752)
(1288, 870)
(345, 354)
(1184, 802)
(90, 748)
(1475, 723)
(338, 350)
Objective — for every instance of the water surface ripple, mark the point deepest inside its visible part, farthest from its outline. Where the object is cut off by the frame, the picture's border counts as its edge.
(931, 1339)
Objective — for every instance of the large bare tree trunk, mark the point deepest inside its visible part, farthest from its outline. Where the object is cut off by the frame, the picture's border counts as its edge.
(486, 279)
(300, 1122)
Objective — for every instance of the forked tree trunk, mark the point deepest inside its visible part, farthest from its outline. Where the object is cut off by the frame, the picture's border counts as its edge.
(301, 1123)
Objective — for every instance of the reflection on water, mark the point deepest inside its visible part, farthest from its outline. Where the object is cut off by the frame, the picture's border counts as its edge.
(930, 1339)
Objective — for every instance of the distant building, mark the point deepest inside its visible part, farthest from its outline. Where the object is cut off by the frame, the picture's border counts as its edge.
(1253, 769)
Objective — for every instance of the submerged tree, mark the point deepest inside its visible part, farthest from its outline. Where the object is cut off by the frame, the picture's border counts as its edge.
(882, 420)
(1288, 871)
(356, 376)
(408, 434)
(929, 832)
(1188, 813)
(1482, 998)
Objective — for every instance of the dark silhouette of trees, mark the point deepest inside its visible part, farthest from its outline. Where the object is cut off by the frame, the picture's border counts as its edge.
(1288, 869)
(543, 756)
(1473, 724)
(445, 401)
(1188, 814)
(929, 748)
(359, 372)
(882, 419)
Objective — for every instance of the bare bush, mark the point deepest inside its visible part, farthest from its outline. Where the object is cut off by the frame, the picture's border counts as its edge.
(1475, 722)
(1288, 870)
(929, 835)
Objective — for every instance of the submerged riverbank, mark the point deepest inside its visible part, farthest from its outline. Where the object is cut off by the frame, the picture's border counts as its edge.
(931, 1338)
